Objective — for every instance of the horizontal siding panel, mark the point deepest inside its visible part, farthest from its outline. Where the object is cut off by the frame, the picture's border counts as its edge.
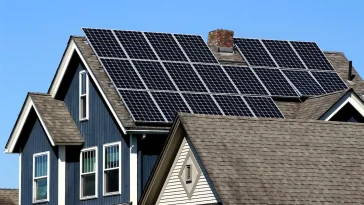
(174, 193)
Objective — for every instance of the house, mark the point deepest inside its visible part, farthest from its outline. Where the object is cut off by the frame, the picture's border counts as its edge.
(106, 132)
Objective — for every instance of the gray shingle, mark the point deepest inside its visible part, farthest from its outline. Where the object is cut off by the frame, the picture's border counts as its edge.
(56, 118)
(280, 161)
(9, 197)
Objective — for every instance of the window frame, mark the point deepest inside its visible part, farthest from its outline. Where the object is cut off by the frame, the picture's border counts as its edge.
(188, 177)
(34, 195)
(86, 95)
(103, 169)
(96, 173)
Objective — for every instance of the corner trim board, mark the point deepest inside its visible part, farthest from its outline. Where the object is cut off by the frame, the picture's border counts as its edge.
(61, 175)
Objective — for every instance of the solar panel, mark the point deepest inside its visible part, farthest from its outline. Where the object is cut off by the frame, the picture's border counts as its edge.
(170, 104)
(331, 82)
(215, 78)
(233, 105)
(202, 104)
(195, 48)
(104, 43)
(154, 75)
(122, 73)
(141, 106)
(283, 54)
(254, 52)
(304, 82)
(135, 45)
(275, 82)
(264, 107)
(245, 80)
(312, 55)
(185, 77)
(166, 47)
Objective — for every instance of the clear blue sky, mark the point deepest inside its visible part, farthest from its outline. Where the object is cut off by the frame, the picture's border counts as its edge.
(34, 34)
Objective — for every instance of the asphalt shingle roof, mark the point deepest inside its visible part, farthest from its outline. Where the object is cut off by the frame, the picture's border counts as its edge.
(56, 118)
(9, 197)
(280, 161)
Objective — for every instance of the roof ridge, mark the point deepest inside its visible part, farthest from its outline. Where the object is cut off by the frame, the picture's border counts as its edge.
(38, 93)
(8, 189)
(328, 94)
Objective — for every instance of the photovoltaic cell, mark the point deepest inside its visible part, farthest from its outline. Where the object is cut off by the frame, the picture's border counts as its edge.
(233, 105)
(170, 104)
(141, 106)
(104, 43)
(304, 82)
(166, 47)
(154, 75)
(312, 55)
(202, 104)
(331, 82)
(245, 80)
(263, 107)
(275, 82)
(122, 74)
(215, 78)
(283, 54)
(195, 48)
(254, 52)
(135, 45)
(185, 77)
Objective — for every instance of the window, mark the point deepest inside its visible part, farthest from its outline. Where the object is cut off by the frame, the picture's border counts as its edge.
(88, 170)
(83, 95)
(111, 168)
(41, 177)
(188, 174)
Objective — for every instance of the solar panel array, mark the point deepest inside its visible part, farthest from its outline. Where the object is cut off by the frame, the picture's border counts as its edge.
(159, 74)
(303, 65)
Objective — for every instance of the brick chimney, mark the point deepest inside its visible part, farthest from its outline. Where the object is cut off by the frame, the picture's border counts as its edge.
(221, 39)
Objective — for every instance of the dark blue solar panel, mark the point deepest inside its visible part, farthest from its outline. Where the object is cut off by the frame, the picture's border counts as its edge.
(170, 104)
(135, 45)
(141, 106)
(283, 54)
(254, 52)
(233, 105)
(166, 47)
(275, 82)
(304, 82)
(122, 73)
(196, 48)
(202, 104)
(215, 78)
(245, 80)
(154, 75)
(185, 77)
(104, 43)
(264, 107)
(331, 82)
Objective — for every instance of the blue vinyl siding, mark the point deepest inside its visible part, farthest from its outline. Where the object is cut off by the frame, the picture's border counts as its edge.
(36, 142)
(97, 131)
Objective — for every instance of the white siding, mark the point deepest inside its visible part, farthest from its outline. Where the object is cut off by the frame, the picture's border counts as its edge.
(173, 191)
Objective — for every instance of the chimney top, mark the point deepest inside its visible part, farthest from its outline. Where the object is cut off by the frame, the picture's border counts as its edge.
(221, 38)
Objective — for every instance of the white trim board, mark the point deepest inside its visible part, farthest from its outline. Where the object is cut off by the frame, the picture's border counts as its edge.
(61, 175)
(349, 97)
(72, 47)
(14, 137)
(133, 169)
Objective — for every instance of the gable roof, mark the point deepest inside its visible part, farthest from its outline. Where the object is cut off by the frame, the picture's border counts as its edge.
(277, 161)
(9, 197)
(54, 117)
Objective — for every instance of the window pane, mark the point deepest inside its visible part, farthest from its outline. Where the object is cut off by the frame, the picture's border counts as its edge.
(83, 83)
(83, 106)
(88, 161)
(41, 189)
(112, 157)
(88, 185)
(112, 180)
(41, 165)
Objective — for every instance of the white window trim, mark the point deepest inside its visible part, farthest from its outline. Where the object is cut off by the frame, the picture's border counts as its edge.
(48, 176)
(81, 95)
(103, 168)
(96, 173)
